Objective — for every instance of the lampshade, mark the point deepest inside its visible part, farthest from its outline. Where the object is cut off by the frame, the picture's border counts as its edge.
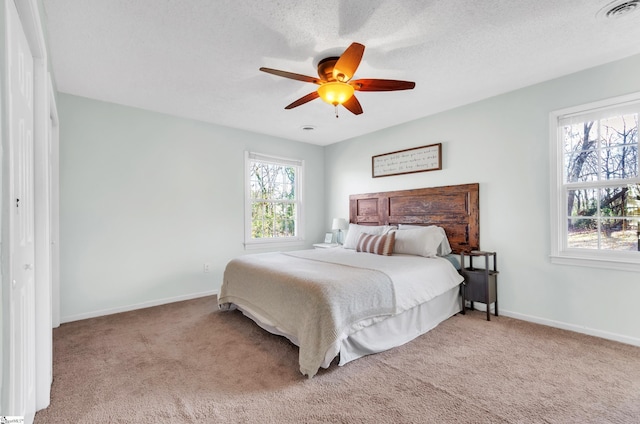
(339, 224)
(335, 93)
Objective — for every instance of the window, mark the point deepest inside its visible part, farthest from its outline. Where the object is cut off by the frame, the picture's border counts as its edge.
(596, 184)
(273, 205)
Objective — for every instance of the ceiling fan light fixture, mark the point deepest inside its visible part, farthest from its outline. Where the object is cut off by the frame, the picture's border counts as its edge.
(335, 84)
(335, 93)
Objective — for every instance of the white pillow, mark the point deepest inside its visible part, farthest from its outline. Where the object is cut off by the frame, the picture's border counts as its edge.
(444, 248)
(354, 231)
(421, 241)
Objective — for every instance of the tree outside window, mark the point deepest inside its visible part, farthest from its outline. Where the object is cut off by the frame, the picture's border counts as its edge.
(601, 184)
(273, 199)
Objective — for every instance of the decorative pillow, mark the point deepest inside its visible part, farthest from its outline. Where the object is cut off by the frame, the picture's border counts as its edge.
(444, 248)
(355, 230)
(380, 245)
(423, 241)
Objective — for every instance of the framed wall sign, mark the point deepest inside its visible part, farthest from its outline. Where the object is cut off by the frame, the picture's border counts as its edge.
(417, 159)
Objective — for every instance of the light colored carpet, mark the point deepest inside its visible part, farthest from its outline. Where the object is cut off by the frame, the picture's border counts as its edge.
(189, 363)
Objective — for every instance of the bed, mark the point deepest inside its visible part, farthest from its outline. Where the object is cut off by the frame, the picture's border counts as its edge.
(394, 279)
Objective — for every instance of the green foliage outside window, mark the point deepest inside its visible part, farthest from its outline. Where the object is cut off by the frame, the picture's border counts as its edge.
(273, 200)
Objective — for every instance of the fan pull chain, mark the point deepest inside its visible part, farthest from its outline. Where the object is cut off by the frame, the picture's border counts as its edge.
(336, 111)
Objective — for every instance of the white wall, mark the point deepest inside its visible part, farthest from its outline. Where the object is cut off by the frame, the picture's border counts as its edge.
(147, 199)
(503, 143)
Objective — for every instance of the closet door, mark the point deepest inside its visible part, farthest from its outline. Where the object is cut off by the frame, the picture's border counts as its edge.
(21, 317)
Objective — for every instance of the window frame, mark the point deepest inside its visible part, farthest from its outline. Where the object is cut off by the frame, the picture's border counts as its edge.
(560, 252)
(273, 242)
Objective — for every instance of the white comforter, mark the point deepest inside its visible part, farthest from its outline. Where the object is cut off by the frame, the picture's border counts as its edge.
(318, 297)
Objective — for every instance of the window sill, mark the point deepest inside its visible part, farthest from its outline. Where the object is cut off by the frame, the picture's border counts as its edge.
(586, 260)
(273, 244)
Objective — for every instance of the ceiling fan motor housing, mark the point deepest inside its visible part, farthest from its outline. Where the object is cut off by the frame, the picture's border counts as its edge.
(325, 68)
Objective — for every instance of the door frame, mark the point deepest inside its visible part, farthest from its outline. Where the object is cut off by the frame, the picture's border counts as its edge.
(32, 25)
(54, 199)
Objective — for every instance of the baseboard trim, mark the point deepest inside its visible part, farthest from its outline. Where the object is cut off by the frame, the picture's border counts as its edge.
(133, 307)
(572, 327)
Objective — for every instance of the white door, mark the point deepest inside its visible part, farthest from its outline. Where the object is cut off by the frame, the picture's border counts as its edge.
(21, 219)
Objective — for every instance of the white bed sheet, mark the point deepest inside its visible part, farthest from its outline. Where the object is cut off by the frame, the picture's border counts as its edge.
(416, 279)
(398, 329)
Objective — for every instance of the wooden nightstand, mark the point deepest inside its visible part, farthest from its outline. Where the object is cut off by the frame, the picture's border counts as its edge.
(480, 284)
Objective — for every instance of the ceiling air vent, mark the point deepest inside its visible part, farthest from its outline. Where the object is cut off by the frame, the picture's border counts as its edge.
(618, 9)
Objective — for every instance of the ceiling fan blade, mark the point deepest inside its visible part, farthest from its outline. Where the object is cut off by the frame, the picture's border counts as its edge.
(302, 100)
(353, 105)
(382, 85)
(291, 75)
(346, 66)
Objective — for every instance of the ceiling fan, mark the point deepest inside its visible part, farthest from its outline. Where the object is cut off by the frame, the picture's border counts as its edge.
(335, 84)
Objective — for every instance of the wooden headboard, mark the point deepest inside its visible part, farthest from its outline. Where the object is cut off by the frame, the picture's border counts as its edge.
(454, 208)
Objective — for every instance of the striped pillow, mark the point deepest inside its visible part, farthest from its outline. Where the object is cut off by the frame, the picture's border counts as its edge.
(380, 245)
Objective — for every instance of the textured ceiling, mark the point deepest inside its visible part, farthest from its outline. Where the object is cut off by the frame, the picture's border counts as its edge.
(199, 59)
